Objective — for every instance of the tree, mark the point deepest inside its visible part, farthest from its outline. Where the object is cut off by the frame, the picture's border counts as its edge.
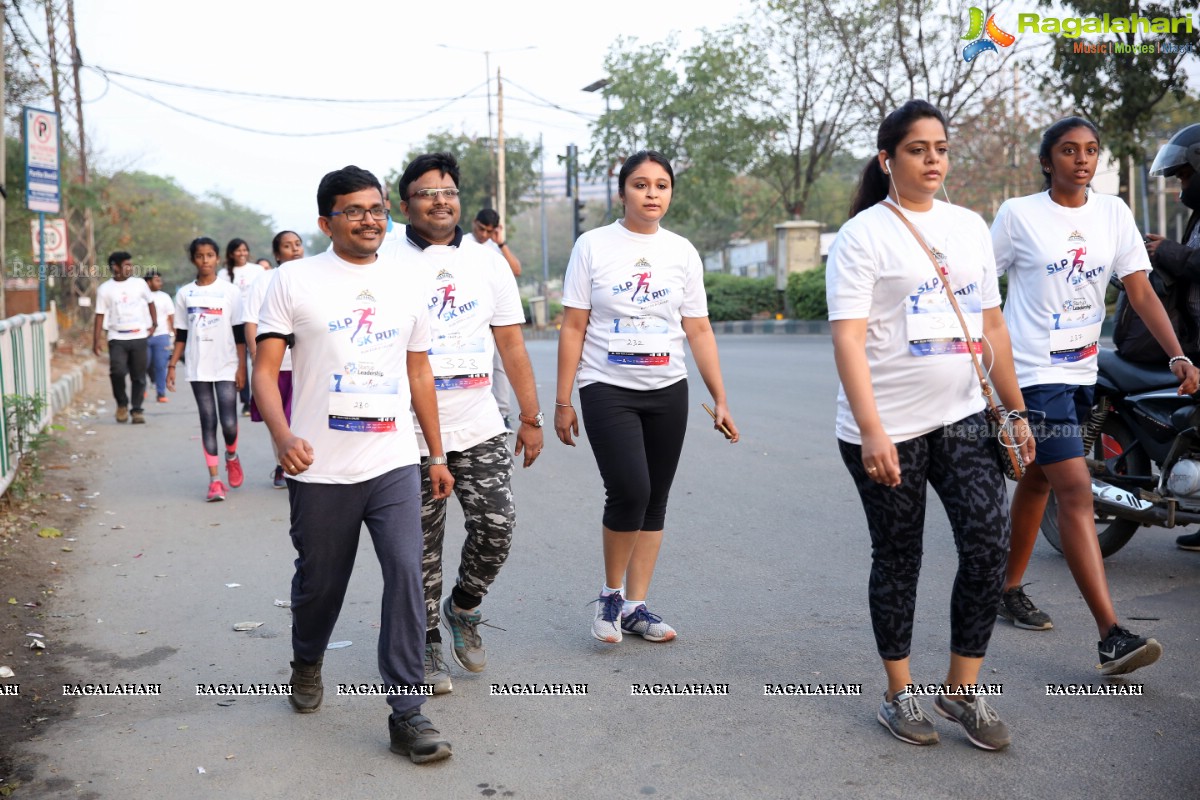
(474, 163)
(703, 109)
(1121, 93)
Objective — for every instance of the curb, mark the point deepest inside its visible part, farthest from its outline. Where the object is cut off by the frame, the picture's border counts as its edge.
(65, 388)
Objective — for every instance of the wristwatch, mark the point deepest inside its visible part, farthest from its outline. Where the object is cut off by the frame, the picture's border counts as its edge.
(434, 461)
(536, 420)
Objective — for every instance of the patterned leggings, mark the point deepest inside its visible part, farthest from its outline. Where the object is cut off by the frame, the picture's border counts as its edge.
(482, 483)
(960, 466)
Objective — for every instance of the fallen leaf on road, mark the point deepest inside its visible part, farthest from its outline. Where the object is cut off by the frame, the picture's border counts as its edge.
(49, 533)
(6, 672)
(338, 645)
(283, 603)
(246, 626)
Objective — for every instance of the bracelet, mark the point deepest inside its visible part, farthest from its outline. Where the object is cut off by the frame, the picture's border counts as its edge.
(563, 405)
(1184, 359)
(502, 245)
(435, 461)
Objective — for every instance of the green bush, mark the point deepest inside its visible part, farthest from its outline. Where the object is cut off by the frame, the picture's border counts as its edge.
(733, 297)
(806, 294)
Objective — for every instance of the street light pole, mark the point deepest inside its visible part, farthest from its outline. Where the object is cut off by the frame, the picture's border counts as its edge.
(595, 86)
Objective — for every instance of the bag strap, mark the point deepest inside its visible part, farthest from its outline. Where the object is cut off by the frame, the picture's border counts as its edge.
(984, 385)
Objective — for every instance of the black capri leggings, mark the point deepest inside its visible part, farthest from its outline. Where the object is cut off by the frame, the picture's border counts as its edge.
(958, 462)
(636, 437)
(225, 404)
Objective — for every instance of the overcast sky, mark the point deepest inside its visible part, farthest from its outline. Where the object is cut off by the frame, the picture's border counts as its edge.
(387, 51)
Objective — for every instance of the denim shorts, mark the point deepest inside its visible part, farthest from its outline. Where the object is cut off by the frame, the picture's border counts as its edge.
(1057, 412)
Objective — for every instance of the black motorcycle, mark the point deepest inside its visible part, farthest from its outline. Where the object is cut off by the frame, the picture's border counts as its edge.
(1142, 442)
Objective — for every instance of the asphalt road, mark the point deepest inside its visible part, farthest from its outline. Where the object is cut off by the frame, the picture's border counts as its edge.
(763, 573)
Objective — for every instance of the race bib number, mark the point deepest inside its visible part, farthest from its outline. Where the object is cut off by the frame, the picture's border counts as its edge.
(459, 363)
(363, 403)
(639, 342)
(932, 328)
(1074, 336)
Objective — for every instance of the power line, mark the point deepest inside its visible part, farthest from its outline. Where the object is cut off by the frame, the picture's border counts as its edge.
(289, 134)
(268, 96)
(549, 103)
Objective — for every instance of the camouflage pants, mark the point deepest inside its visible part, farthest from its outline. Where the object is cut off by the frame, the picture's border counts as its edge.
(482, 483)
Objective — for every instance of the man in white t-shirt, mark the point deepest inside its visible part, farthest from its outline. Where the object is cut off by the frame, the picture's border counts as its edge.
(474, 309)
(488, 232)
(125, 311)
(360, 337)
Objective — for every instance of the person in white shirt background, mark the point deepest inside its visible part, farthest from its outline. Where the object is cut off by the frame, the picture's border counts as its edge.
(125, 311)
(159, 345)
(487, 231)
(242, 273)
(286, 246)
(1059, 248)
(210, 340)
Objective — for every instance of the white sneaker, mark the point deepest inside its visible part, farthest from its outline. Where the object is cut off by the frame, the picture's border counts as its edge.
(607, 625)
(649, 626)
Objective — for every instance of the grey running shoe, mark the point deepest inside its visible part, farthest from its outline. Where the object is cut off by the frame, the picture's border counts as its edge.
(1016, 607)
(467, 646)
(1122, 652)
(413, 735)
(903, 717)
(437, 674)
(1189, 541)
(980, 722)
(307, 689)
(649, 626)
(607, 625)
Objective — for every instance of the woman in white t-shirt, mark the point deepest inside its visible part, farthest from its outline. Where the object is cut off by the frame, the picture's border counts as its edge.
(242, 273)
(1060, 247)
(213, 349)
(287, 246)
(632, 293)
(910, 411)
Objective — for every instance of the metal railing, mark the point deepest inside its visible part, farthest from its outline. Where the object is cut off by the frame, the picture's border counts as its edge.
(25, 342)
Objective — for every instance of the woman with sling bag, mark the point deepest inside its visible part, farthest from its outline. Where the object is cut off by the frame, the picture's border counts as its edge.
(1059, 248)
(910, 409)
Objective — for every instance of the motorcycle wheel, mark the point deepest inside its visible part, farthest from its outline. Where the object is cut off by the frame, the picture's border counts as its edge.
(1113, 533)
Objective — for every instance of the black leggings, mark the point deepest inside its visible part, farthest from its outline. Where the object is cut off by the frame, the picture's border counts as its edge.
(636, 437)
(226, 403)
(959, 464)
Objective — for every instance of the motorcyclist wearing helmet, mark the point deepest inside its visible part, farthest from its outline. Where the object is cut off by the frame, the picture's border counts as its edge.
(1176, 275)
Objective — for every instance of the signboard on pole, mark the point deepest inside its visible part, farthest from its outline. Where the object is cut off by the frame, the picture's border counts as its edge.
(42, 191)
(56, 240)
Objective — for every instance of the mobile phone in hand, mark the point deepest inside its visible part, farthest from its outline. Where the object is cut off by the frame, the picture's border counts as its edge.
(721, 427)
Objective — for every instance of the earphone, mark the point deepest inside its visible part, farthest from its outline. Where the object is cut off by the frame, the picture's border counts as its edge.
(887, 162)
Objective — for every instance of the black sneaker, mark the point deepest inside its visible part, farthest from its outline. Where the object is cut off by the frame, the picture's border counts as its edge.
(1016, 607)
(1189, 541)
(413, 735)
(307, 689)
(980, 722)
(1122, 652)
(903, 717)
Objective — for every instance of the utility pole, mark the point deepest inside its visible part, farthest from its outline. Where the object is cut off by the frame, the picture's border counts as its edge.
(542, 203)
(89, 231)
(52, 49)
(3, 162)
(501, 205)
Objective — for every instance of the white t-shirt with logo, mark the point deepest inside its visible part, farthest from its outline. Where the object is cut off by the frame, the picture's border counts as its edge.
(353, 327)
(126, 308)
(208, 314)
(1058, 262)
(252, 303)
(921, 371)
(164, 307)
(638, 288)
(468, 290)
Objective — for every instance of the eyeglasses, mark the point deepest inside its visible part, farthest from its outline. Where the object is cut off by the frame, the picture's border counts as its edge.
(431, 194)
(354, 213)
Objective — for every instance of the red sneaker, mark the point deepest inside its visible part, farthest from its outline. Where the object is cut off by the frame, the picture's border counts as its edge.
(216, 491)
(234, 467)
(164, 399)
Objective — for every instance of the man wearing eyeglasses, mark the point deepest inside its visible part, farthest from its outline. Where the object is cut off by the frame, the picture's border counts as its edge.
(360, 334)
(486, 315)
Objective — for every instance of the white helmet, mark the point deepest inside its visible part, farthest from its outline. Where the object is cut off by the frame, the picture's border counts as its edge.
(1184, 148)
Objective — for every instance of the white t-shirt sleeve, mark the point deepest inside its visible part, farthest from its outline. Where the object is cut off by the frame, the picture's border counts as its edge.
(1130, 251)
(695, 300)
(851, 272)
(1002, 246)
(990, 288)
(235, 302)
(577, 283)
(275, 312)
(508, 308)
(181, 317)
(254, 297)
(422, 333)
